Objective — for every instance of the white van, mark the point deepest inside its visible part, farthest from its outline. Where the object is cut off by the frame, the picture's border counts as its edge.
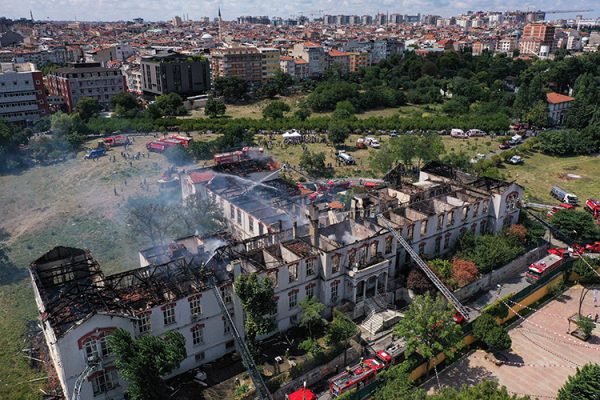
(458, 133)
(346, 158)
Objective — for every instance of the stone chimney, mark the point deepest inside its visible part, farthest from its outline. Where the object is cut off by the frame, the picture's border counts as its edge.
(313, 215)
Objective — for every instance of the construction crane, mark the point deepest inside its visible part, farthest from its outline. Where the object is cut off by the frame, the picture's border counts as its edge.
(430, 274)
(261, 388)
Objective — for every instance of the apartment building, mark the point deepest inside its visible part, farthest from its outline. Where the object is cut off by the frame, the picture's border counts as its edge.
(22, 96)
(339, 60)
(314, 54)
(295, 67)
(244, 62)
(175, 73)
(270, 62)
(506, 45)
(106, 54)
(358, 60)
(80, 80)
(537, 39)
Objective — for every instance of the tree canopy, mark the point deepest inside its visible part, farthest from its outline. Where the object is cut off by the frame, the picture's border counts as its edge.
(584, 385)
(257, 297)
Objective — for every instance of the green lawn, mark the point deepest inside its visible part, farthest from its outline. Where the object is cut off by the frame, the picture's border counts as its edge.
(470, 146)
(540, 172)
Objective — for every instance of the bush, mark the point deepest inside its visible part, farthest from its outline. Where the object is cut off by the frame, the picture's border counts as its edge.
(418, 282)
(488, 252)
(442, 267)
(586, 325)
(499, 308)
(517, 234)
(490, 333)
(463, 271)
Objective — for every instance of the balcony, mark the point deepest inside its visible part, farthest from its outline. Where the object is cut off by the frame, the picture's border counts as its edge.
(373, 265)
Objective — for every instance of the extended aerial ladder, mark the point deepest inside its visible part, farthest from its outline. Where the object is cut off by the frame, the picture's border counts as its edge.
(89, 368)
(261, 388)
(430, 274)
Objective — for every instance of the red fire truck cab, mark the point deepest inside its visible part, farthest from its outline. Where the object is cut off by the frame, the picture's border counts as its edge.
(355, 377)
(593, 206)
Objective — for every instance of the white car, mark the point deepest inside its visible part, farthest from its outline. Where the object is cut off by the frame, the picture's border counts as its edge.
(516, 160)
(375, 144)
(478, 157)
(475, 133)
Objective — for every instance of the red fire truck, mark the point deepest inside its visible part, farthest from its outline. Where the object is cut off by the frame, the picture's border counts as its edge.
(356, 377)
(183, 140)
(158, 146)
(393, 355)
(117, 140)
(245, 153)
(593, 206)
(543, 267)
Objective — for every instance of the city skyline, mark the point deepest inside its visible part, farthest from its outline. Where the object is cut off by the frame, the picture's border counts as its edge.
(159, 10)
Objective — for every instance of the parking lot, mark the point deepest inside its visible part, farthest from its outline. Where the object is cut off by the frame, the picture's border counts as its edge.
(543, 354)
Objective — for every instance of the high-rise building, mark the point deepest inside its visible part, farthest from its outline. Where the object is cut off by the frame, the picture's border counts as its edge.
(270, 62)
(243, 61)
(80, 80)
(22, 96)
(537, 39)
(175, 73)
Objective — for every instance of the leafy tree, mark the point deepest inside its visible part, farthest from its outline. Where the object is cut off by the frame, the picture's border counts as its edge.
(487, 389)
(202, 215)
(428, 328)
(258, 299)
(341, 330)
(463, 271)
(311, 346)
(143, 361)
(517, 233)
(584, 385)
(124, 104)
(234, 136)
(311, 314)
(538, 115)
(170, 104)
(396, 384)
(275, 110)
(442, 268)
(346, 105)
(233, 89)
(429, 147)
(302, 113)
(488, 252)
(383, 160)
(489, 332)
(457, 105)
(418, 282)
(87, 108)
(154, 218)
(577, 225)
(214, 107)
(586, 325)
(201, 150)
(68, 127)
(338, 131)
(313, 164)
(585, 273)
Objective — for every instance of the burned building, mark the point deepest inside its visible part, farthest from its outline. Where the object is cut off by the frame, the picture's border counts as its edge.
(348, 260)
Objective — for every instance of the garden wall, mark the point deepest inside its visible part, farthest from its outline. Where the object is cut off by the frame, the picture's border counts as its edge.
(514, 267)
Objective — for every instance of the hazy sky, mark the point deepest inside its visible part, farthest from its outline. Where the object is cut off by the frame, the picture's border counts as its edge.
(108, 10)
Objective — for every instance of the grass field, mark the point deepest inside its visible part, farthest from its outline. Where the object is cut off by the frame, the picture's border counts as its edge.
(540, 172)
(73, 204)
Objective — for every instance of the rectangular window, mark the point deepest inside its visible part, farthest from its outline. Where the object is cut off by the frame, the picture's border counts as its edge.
(292, 299)
(251, 224)
(410, 230)
(231, 211)
(260, 229)
(309, 291)
(451, 217)
(337, 260)
(226, 328)
(195, 308)
(144, 323)
(239, 217)
(388, 244)
(310, 266)
(438, 244)
(198, 335)
(483, 227)
(169, 314)
(447, 240)
(334, 291)
(440, 221)
(226, 294)
(465, 212)
(105, 381)
(422, 249)
(292, 272)
(424, 227)
(91, 349)
(484, 208)
(473, 228)
(104, 351)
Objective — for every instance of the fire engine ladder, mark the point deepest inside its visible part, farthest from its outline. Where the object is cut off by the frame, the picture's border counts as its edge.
(259, 383)
(89, 368)
(433, 277)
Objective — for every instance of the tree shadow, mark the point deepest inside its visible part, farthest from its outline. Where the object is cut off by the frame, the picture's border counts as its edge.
(457, 376)
(9, 272)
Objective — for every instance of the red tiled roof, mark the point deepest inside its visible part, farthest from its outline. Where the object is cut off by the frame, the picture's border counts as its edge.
(300, 61)
(337, 53)
(286, 58)
(556, 98)
(201, 176)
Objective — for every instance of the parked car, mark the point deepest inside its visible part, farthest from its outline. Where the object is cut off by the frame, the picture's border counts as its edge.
(478, 157)
(475, 133)
(375, 144)
(504, 145)
(515, 160)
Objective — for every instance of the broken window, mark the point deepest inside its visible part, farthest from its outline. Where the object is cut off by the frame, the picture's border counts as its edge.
(351, 259)
(424, 227)
(169, 314)
(292, 272)
(239, 216)
(226, 294)
(410, 230)
(373, 249)
(104, 381)
(422, 249)
(473, 228)
(251, 224)
(483, 227)
(465, 212)
(440, 221)
(309, 291)
(451, 217)
(388, 244)
(336, 263)
(91, 350)
(334, 291)
(310, 266)
(195, 307)
(438, 244)
(226, 328)
(447, 240)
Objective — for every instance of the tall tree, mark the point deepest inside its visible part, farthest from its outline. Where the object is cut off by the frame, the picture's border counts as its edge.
(170, 104)
(153, 218)
(341, 330)
(396, 384)
(488, 389)
(258, 299)
(584, 385)
(428, 328)
(214, 107)
(313, 164)
(489, 332)
(87, 108)
(142, 362)
(311, 318)
(202, 214)
(275, 110)
(124, 104)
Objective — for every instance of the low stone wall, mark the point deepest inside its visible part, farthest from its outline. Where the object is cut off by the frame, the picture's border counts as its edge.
(317, 374)
(514, 267)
